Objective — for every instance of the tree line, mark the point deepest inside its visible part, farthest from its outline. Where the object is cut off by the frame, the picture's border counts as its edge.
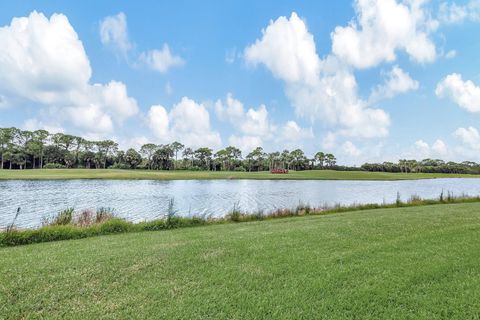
(23, 149)
(426, 166)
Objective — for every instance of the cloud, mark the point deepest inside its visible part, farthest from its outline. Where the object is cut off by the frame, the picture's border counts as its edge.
(3, 102)
(323, 90)
(34, 124)
(287, 49)
(439, 147)
(161, 60)
(245, 143)
(424, 150)
(469, 136)
(464, 93)
(450, 12)
(135, 143)
(292, 132)
(43, 61)
(159, 122)
(113, 32)
(255, 127)
(329, 141)
(231, 110)
(253, 122)
(168, 88)
(350, 149)
(187, 122)
(451, 54)
(231, 55)
(383, 27)
(396, 81)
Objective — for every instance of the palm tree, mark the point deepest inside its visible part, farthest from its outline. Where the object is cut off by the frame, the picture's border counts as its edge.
(320, 157)
(41, 136)
(330, 159)
(6, 140)
(257, 156)
(176, 146)
(299, 158)
(205, 156)
(188, 155)
(286, 158)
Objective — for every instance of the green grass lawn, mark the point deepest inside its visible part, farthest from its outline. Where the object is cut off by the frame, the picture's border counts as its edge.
(403, 263)
(44, 174)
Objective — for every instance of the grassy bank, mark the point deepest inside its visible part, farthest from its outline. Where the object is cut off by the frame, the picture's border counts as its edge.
(70, 225)
(45, 174)
(402, 263)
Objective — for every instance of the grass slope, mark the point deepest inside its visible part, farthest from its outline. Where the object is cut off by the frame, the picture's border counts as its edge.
(45, 174)
(403, 263)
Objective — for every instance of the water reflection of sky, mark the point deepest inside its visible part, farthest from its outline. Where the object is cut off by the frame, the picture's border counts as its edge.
(139, 200)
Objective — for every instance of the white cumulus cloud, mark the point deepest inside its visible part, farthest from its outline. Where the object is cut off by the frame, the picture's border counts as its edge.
(43, 61)
(396, 81)
(161, 60)
(245, 143)
(187, 122)
(381, 28)
(287, 49)
(423, 150)
(113, 32)
(254, 126)
(451, 12)
(469, 136)
(322, 90)
(464, 93)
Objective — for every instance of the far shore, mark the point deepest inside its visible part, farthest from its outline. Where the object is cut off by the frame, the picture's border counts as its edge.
(69, 174)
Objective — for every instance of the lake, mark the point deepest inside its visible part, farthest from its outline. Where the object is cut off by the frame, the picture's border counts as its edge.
(139, 200)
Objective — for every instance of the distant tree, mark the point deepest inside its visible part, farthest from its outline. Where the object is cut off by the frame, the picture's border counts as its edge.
(188, 155)
(330, 160)
(6, 143)
(176, 147)
(204, 155)
(256, 158)
(299, 159)
(162, 158)
(40, 137)
(222, 157)
(105, 149)
(320, 158)
(286, 159)
(147, 150)
(133, 158)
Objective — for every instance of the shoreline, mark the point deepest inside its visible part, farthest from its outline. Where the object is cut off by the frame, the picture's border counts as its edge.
(120, 174)
(70, 229)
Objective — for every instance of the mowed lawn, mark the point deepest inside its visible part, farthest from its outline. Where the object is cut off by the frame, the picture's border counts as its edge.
(45, 174)
(404, 263)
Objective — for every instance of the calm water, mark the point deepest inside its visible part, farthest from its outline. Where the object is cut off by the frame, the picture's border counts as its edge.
(147, 199)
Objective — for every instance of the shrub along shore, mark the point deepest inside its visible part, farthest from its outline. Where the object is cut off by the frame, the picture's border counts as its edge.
(69, 225)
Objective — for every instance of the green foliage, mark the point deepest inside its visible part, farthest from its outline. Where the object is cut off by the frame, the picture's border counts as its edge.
(63, 217)
(116, 225)
(26, 149)
(103, 214)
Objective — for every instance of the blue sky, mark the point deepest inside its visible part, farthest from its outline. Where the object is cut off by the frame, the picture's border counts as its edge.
(366, 80)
